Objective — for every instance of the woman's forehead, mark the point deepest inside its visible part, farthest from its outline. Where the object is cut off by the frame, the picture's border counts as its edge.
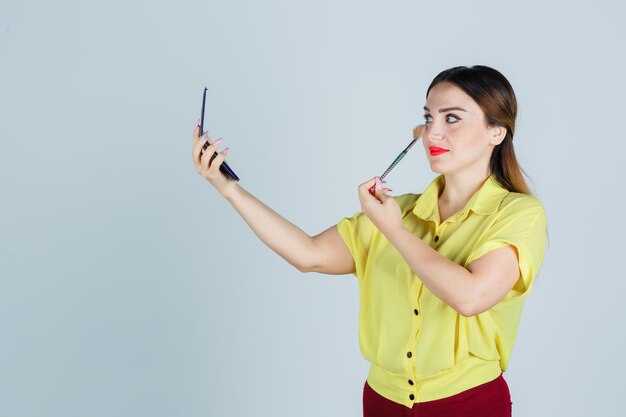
(445, 95)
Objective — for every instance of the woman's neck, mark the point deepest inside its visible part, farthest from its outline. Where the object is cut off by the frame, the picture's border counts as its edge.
(459, 189)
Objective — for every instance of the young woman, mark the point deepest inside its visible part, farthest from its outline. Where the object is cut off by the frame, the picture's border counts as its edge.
(443, 275)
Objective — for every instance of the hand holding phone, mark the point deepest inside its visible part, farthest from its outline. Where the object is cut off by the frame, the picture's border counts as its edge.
(224, 166)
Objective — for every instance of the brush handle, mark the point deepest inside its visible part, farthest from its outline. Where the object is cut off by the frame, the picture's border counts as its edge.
(394, 163)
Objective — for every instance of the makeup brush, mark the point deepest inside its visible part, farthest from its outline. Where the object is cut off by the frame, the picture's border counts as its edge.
(417, 133)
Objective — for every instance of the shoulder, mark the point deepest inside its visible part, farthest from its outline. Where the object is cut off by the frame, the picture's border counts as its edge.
(523, 211)
(520, 203)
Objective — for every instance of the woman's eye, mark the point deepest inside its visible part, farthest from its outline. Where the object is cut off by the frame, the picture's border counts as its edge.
(428, 118)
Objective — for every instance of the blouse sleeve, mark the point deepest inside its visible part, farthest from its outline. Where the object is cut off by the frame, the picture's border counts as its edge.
(356, 232)
(525, 229)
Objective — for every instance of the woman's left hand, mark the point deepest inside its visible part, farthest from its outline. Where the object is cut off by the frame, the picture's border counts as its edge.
(380, 208)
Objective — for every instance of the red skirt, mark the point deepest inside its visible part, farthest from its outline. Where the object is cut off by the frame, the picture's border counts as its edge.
(491, 399)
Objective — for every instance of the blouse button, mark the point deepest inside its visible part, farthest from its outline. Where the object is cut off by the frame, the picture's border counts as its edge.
(409, 354)
(416, 312)
(410, 382)
(437, 238)
(412, 397)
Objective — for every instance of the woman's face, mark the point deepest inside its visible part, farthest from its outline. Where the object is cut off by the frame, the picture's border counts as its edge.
(455, 122)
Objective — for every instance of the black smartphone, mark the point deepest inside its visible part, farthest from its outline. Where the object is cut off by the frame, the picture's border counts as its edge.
(224, 167)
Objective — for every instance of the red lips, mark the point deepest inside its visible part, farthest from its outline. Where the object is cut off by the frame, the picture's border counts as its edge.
(434, 150)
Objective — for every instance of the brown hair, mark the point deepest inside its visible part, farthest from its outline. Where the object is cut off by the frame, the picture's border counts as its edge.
(495, 96)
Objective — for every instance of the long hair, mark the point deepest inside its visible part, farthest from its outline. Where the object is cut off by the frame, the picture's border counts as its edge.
(495, 96)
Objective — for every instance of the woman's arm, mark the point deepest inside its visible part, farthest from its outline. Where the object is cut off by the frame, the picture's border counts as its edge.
(325, 253)
(470, 290)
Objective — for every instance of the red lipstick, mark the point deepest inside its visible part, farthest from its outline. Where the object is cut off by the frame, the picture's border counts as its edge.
(434, 151)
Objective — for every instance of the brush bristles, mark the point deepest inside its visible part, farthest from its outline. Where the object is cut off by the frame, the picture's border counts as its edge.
(418, 131)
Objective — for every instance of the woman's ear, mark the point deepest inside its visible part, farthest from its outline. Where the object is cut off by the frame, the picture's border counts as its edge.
(498, 133)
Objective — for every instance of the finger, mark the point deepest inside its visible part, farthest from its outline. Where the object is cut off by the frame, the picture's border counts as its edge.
(216, 162)
(377, 185)
(199, 137)
(196, 150)
(205, 142)
(205, 160)
(382, 195)
(364, 187)
(196, 130)
(201, 148)
(374, 193)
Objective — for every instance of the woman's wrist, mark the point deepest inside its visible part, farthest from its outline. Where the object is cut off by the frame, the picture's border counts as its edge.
(228, 190)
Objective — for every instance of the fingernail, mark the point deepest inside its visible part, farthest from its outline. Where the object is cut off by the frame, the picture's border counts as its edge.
(217, 142)
(197, 123)
(378, 183)
(225, 151)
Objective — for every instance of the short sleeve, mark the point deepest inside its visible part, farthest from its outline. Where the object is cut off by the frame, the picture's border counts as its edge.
(524, 228)
(356, 232)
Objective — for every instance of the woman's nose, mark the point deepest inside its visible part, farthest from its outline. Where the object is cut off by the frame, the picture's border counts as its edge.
(434, 136)
(434, 133)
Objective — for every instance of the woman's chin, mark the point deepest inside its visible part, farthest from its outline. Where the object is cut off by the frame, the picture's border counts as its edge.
(437, 168)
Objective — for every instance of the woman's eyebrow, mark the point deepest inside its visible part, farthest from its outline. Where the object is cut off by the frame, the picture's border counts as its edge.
(447, 109)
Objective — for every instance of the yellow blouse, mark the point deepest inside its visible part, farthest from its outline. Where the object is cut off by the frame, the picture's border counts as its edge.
(420, 348)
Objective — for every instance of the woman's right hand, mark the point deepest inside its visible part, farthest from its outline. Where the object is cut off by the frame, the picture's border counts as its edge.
(206, 165)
